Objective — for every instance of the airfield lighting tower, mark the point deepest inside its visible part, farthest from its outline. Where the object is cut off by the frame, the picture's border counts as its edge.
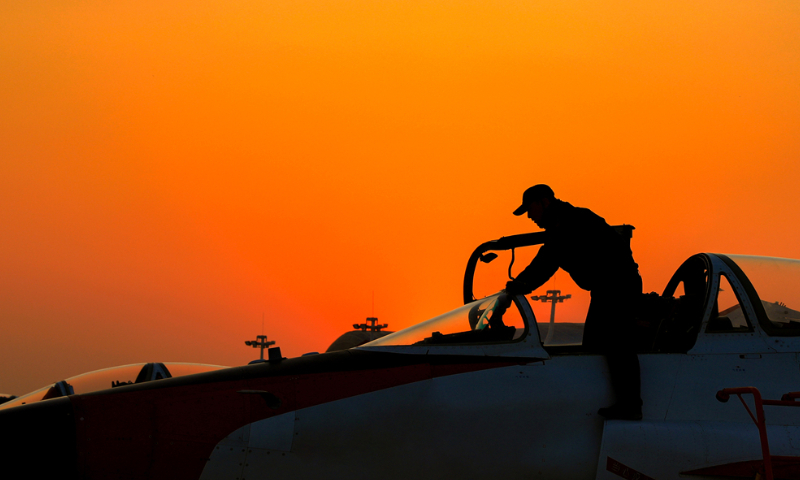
(260, 342)
(372, 327)
(553, 296)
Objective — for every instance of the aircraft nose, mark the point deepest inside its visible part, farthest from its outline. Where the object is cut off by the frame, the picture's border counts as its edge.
(40, 439)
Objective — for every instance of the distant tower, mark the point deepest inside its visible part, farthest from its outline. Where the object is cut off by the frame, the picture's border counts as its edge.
(260, 342)
(553, 297)
(371, 328)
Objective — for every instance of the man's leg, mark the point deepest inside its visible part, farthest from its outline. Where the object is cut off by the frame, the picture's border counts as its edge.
(623, 368)
(620, 352)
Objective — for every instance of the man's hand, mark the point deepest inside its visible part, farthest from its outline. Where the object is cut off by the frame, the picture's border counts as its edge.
(515, 287)
(503, 302)
(504, 299)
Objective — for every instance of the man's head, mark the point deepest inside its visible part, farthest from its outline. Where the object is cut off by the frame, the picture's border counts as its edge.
(535, 201)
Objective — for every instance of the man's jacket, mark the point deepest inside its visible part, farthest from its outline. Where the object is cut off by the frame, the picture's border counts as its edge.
(584, 245)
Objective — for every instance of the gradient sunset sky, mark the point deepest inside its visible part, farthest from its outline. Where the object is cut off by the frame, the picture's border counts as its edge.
(169, 171)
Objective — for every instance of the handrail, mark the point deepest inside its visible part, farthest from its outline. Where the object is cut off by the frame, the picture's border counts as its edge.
(787, 400)
(503, 243)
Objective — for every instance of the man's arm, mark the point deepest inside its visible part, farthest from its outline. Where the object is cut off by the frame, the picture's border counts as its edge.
(543, 266)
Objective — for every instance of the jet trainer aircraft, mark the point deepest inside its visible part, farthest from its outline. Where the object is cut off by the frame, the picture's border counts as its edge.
(472, 393)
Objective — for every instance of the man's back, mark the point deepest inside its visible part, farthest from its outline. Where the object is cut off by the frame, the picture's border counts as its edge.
(588, 248)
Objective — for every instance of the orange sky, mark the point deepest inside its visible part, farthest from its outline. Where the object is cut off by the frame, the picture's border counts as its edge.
(171, 170)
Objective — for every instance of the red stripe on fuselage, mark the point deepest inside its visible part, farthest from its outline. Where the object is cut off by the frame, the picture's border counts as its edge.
(170, 432)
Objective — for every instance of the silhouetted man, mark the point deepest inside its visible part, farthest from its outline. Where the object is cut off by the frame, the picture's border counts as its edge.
(599, 260)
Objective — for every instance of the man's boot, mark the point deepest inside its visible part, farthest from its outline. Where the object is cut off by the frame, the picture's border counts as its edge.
(622, 411)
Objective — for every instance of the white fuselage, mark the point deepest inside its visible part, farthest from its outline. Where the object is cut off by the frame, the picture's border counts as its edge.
(540, 418)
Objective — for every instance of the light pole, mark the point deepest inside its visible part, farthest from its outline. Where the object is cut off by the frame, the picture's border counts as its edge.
(372, 327)
(260, 342)
(553, 297)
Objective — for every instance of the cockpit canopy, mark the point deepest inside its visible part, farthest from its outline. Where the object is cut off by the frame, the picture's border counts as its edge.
(717, 302)
(777, 284)
(494, 319)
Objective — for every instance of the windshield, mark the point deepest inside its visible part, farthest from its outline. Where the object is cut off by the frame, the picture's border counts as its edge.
(490, 320)
(777, 282)
(104, 379)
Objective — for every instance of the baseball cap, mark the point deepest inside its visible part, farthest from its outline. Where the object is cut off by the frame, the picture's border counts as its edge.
(535, 193)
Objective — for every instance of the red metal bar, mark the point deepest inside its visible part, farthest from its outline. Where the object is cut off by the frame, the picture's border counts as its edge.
(790, 396)
(781, 403)
(746, 407)
(723, 396)
(787, 400)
